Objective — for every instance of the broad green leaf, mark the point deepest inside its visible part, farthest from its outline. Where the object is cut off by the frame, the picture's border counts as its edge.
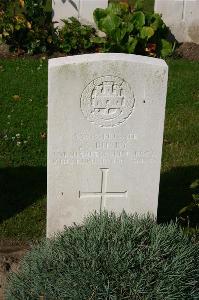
(67, 48)
(117, 8)
(124, 7)
(98, 40)
(139, 5)
(118, 34)
(186, 209)
(129, 27)
(195, 184)
(138, 19)
(99, 14)
(166, 48)
(17, 27)
(146, 32)
(11, 27)
(156, 21)
(196, 199)
(110, 24)
(132, 42)
(87, 44)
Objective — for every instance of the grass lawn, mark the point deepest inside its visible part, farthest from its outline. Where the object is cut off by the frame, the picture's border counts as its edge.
(23, 114)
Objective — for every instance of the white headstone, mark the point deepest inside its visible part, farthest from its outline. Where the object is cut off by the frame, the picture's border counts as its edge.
(87, 8)
(64, 9)
(182, 17)
(80, 9)
(105, 131)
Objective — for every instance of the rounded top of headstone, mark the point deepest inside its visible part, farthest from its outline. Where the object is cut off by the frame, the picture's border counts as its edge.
(87, 58)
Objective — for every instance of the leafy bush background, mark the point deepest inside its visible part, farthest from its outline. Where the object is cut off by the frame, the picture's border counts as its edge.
(27, 27)
(130, 30)
(75, 38)
(111, 257)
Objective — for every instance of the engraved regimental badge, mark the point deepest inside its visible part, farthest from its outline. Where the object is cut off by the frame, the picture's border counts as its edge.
(107, 101)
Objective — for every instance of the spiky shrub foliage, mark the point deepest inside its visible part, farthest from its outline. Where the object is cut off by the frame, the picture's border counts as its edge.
(111, 257)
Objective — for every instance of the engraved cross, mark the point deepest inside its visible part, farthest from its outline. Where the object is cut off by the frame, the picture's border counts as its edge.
(103, 195)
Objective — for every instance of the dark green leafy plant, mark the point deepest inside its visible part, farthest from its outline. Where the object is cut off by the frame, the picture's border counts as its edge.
(3, 4)
(189, 215)
(75, 38)
(131, 31)
(111, 257)
(28, 27)
(7, 8)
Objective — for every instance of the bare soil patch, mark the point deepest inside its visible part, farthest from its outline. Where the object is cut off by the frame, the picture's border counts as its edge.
(11, 253)
(189, 51)
(5, 53)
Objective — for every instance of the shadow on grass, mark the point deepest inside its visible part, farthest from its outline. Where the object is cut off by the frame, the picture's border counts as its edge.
(175, 192)
(19, 188)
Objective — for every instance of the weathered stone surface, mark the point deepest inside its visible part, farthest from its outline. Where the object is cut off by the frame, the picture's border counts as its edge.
(80, 9)
(87, 8)
(64, 9)
(105, 130)
(182, 17)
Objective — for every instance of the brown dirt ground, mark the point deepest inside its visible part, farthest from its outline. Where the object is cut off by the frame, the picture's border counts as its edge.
(5, 53)
(11, 253)
(189, 51)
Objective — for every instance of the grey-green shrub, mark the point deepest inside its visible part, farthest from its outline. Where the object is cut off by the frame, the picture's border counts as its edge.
(111, 257)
